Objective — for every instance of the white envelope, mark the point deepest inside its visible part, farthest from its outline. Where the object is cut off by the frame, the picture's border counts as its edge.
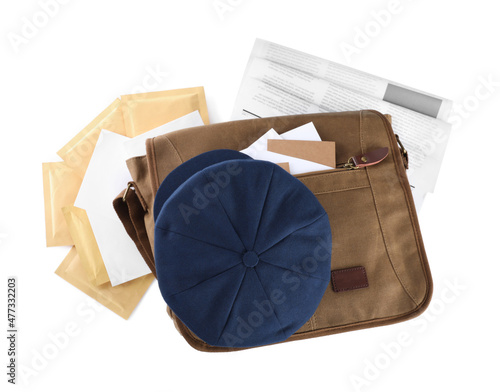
(261, 143)
(106, 176)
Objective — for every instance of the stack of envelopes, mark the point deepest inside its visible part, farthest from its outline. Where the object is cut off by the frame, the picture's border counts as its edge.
(103, 262)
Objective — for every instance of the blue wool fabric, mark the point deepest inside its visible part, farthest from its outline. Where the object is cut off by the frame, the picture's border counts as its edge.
(242, 249)
(182, 172)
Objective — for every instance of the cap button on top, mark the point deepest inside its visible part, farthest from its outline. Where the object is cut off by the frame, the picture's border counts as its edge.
(250, 258)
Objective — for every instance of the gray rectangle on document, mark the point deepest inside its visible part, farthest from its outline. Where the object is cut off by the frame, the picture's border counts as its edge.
(413, 100)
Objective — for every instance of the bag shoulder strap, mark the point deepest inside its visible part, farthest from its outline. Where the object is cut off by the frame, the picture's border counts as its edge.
(131, 208)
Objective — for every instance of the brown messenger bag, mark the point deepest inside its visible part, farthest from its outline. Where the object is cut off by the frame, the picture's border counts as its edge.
(380, 272)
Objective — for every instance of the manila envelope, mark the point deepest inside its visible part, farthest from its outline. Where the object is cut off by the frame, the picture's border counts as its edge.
(314, 151)
(129, 116)
(120, 299)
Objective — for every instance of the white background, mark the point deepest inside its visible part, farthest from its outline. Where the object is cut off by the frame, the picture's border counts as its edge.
(91, 51)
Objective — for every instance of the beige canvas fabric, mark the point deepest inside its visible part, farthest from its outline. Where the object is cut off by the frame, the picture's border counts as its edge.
(373, 219)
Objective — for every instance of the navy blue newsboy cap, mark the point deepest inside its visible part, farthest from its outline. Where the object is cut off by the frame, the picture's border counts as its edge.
(242, 249)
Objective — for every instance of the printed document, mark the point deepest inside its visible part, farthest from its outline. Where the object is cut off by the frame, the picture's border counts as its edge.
(281, 81)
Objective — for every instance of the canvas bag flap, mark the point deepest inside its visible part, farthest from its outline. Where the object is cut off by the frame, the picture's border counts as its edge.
(371, 210)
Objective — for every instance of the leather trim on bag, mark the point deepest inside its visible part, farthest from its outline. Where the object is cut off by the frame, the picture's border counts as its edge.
(349, 279)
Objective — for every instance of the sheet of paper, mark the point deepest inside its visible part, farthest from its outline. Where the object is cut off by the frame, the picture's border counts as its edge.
(261, 143)
(106, 176)
(304, 132)
(355, 80)
(273, 89)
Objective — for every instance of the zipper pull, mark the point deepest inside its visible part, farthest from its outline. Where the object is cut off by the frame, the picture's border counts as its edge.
(369, 159)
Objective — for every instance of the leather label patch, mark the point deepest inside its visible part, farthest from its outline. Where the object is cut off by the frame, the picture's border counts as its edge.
(349, 279)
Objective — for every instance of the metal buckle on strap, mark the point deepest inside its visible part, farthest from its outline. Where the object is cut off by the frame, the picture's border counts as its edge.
(368, 159)
(350, 164)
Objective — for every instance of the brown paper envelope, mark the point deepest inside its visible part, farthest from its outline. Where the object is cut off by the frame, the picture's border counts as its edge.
(60, 187)
(121, 299)
(146, 111)
(137, 113)
(78, 151)
(314, 151)
(285, 166)
(76, 156)
(141, 113)
(86, 244)
(131, 116)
